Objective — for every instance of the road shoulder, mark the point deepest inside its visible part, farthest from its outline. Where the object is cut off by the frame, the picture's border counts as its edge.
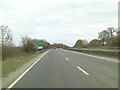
(6, 81)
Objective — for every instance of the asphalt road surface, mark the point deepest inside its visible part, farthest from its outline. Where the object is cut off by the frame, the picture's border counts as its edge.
(63, 69)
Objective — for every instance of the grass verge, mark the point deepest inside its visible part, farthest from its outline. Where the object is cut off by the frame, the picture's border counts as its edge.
(12, 63)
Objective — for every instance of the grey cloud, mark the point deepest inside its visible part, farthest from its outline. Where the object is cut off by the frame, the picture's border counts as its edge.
(58, 18)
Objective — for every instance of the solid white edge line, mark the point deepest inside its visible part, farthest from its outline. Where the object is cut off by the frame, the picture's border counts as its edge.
(82, 70)
(26, 71)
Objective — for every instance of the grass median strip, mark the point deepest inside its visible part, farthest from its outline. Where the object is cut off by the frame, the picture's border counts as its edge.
(13, 63)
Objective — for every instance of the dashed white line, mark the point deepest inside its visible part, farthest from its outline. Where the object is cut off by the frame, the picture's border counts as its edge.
(67, 59)
(82, 70)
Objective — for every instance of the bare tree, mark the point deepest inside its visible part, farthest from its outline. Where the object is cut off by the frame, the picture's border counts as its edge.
(117, 30)
(28, 44)
(108, 36)
(103, 36)
(25, 40)
(111, 30)
(6, 36)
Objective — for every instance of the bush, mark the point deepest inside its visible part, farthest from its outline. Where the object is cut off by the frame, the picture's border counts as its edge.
(29, 47)
(94, 43)
(113, 42)
(8, 52)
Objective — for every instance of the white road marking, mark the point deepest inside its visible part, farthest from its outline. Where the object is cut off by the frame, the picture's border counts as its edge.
(25, 71)
(105, 58)
(61, 54)
(82, 70)
(67, 59)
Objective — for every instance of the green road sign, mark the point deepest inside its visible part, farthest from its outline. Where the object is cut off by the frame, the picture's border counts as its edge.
(39, 45)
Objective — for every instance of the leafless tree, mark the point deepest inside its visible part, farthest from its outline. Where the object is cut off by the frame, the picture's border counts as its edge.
(6, 36)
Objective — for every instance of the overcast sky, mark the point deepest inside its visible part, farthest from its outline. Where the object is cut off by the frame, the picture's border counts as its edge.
(58, 21)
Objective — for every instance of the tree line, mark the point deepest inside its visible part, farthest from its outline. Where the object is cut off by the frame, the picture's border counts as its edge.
(106, 38)
(26, 47)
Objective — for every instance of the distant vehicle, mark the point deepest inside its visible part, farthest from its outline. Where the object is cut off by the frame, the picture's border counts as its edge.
(54, 48)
